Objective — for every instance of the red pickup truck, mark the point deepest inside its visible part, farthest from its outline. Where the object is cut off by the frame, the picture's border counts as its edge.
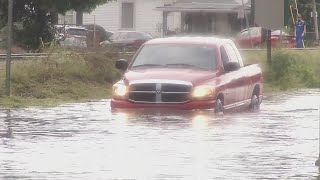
(188, 73)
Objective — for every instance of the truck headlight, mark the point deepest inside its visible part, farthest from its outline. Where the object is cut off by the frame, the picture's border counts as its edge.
(203, 91)
(120, 90)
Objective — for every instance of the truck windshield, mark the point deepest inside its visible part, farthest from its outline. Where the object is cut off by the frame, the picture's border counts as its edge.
(177, 55)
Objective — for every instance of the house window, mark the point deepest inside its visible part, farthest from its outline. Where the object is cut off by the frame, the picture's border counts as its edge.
(127, 15)
(68, 18)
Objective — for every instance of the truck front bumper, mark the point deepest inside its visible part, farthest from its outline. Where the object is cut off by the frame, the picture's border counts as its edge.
(124, 104)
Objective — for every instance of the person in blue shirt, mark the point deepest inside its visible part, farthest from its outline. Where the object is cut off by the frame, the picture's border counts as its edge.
(300, 31)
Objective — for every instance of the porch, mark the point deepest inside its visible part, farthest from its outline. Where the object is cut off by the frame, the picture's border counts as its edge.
(208, 17)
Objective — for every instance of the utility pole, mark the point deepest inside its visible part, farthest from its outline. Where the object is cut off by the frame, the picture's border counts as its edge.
(94, 31)
(245, 14)
(315, 20)
(269, 53)
(247, 21)
(252, 13)
(9, 46)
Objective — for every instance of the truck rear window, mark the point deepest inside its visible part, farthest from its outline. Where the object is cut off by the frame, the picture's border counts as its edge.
(177, 54)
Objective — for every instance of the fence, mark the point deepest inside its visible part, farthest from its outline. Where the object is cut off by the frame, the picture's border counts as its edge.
(23, 56)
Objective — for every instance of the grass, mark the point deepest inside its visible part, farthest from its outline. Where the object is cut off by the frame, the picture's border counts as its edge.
(87, 94)
(289, 69)
(69, 76)
(65, 76)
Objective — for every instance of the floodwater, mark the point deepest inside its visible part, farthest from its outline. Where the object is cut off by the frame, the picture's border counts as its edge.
(87, 141)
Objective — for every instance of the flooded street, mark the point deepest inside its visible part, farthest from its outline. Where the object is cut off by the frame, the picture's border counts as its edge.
(87, 141)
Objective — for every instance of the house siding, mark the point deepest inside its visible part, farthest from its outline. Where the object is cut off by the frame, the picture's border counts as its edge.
(68, 18)
(146, 18)
(107, 16)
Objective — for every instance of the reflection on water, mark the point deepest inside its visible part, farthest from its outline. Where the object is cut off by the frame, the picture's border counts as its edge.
(8, 132)
(200, 122)
(86, 141)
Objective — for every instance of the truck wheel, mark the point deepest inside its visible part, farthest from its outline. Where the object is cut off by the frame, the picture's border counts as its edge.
(254, 105)
(219, 107)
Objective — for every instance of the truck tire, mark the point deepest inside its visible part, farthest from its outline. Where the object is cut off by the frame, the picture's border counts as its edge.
(254, 105)
(219, 107)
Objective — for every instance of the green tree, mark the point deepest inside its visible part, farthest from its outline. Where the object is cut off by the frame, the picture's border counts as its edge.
(38, 17)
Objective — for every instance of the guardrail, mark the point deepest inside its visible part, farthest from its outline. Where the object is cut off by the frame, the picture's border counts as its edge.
(23, 56)
(32, 56)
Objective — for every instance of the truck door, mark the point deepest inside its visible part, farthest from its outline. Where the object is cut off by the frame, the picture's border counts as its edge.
(237, 85)
(229, 92)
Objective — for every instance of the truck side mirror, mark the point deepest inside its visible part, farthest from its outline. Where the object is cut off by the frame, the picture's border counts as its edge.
(122, 64)
(231, 66)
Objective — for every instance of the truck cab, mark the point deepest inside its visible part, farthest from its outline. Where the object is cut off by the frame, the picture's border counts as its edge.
(188, 73)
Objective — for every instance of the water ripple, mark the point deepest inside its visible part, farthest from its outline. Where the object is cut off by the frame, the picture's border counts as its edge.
(87, 141)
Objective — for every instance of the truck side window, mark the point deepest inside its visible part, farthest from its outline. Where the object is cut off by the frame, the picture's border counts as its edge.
(224, 55)
(232, 54)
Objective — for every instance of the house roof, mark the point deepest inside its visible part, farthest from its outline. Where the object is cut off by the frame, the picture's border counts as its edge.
(204, 6)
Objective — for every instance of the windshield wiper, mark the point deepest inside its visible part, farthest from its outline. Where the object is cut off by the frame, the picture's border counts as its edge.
(148, 65)
(187, 65)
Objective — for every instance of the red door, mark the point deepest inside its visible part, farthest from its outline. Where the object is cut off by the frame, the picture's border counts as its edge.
(237, 85)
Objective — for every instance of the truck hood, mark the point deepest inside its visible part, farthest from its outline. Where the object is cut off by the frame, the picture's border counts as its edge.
(193, 76)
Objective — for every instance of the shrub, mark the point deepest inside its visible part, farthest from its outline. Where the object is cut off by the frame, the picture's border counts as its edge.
(293, 69)
(61, 72)
(101, 67)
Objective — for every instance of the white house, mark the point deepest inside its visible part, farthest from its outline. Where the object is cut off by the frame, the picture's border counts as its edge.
(152, 16)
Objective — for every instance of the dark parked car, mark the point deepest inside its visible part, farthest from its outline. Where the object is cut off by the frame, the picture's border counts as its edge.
(258, 36)
(101, 34)
(73, 42)
(129, 40)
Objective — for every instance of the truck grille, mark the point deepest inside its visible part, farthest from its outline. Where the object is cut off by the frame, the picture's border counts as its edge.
(160, 92)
